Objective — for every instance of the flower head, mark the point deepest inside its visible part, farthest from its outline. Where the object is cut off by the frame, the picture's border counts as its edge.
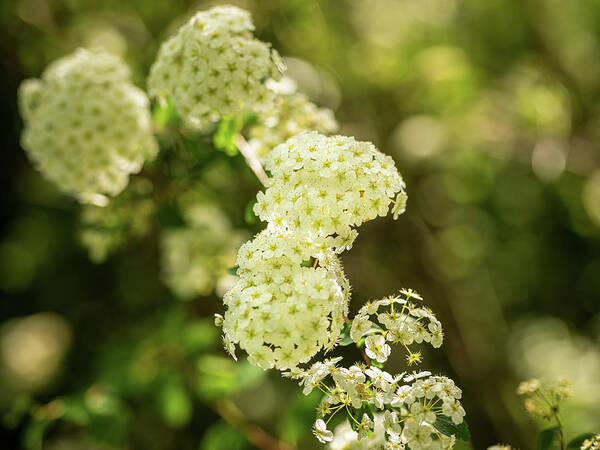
(87, 127)
(281, 311)
(326, 186)
(214, 67)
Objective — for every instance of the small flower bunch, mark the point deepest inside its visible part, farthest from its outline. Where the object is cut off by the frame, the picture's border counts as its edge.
(410, 405)
(325, 186)
(87, 127)
(289, 302)
(291, 299)
(544, 400)
(401, 321)
(214, 67)
(592, 443)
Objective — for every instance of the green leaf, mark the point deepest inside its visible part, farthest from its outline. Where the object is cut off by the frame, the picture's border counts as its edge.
(165, 114)
(219, 376)
(298, 417)
(224, 137)
(445, 426)
(345, 338)
(222, 436)
(249, 215)
(546, 438)
(233, 270)
(175, 404)
(575, 443)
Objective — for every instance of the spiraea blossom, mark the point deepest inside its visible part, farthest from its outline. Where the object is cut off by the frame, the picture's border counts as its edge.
(87, 128)
(407, 407)
(327, 186)
(213, 67)
(197, 255)
(289, 302)
(290, 114)
(396, 320)
(544, 399)
(592, 443)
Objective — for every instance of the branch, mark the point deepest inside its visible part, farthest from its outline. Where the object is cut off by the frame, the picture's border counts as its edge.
(251, 159)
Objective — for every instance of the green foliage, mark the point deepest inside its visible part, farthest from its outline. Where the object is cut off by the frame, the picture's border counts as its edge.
(165, 114)
(547, 437)
(222, 436)
(298, 417)
(446, 426)
(227, 131)
(175, 404)
(220, 377)
(345, 338)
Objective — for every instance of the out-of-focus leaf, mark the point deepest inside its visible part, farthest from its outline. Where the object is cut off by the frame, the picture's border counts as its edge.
(233, 270)
(33, 436)
(224, 138)
(249, 215)
(219, 377)
(199, 336)
(175, 404)
(299, 417)
(445, 426)
(546, 438)
(165, 114)
(222, 436)
(111, 428)
(169, 215)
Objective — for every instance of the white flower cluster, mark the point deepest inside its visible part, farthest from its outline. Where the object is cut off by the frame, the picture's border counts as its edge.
(290, 115)
(592, 443)
(289, 302)
(87, 128)
(410, 404)
(196, 257)
(397, 321)
(324, 186)
(214, 67)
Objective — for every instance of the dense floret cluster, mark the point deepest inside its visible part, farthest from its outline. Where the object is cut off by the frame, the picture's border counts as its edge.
(325, 186)
(87, 128)
(289, 302)
(214, 67)
(394, 320)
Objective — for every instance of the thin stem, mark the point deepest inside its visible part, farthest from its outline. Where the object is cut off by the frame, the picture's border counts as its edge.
(560, 431)
(251, 159)
(253, 433)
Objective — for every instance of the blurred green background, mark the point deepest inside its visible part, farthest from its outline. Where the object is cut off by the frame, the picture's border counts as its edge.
(491, 110)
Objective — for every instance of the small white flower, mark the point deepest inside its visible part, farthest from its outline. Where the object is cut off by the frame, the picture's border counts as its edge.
(321, 432)
(377, 348)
